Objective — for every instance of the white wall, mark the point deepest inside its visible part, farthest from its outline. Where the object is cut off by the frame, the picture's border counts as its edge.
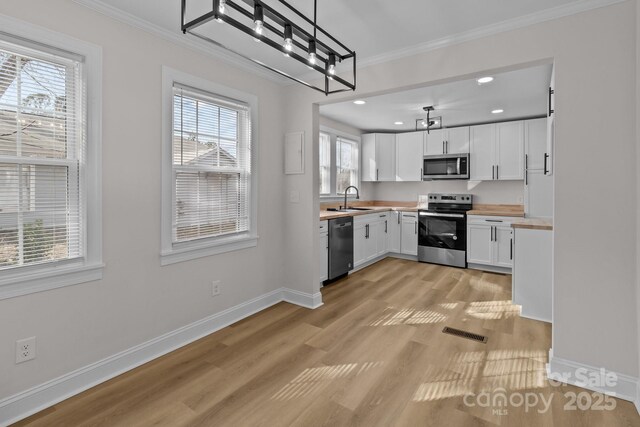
(595, 246)
(138, 300)
(638, 183)
(504, 192)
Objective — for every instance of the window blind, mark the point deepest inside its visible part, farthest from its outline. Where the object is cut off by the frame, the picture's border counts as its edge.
(347, 164)
(42, 156)
(211, 165)
(325, 164)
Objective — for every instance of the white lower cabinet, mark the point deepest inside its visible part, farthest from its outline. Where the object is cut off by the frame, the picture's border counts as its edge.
(532, 276)
(369, 238)
(409, 233)
(394, 225)
(490, 241)
(324, 250)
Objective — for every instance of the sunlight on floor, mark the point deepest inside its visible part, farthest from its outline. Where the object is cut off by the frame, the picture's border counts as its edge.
(473, 371)
(313, 379)
(409, 316)
(492, 310)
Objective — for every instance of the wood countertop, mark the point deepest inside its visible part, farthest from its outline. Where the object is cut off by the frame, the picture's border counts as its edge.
(373, 206)
(497, 210)
(534, 224)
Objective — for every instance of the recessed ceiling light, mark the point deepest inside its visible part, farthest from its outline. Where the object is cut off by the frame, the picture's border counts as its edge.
(483, 80)
(498, 111)
(359, 102)
(398, 123)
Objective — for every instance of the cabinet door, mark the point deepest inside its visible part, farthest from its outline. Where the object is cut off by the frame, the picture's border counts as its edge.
(479, 244)
(368, 157)
(394, 226)
(371, 242)
(509, 151)
(409, 238)
(538, 195)
(535, 143)
(409, 148)
(386, 157)
(382, 234)
(359, 244)
(458, 140)
(324, 256)
(503, 249)
(481, 154)
(434, 142)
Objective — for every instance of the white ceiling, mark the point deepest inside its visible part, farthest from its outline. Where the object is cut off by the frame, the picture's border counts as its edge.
(520, 93)
(373, 28)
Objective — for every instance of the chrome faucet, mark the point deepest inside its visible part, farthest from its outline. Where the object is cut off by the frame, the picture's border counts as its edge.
(345, 195)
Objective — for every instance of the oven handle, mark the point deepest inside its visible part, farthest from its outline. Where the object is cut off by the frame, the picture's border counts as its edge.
(443, 215)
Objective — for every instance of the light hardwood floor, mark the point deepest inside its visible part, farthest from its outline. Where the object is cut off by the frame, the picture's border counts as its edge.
(373, 355)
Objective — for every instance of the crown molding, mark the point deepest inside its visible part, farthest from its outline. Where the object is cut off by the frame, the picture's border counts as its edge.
(478, 33)
(180, 39)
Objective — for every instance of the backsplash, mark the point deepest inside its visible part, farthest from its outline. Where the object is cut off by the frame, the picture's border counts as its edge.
(485, 192)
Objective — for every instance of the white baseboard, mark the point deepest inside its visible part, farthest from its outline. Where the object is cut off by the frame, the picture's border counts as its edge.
(626, 387)
(33, 400)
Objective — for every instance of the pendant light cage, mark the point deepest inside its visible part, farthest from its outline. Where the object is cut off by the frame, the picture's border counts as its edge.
(285, 29)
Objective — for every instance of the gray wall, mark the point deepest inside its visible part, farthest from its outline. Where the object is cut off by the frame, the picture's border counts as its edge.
(595, 272)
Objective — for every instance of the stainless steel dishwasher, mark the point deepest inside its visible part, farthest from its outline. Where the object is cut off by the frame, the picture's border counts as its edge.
(340, 247)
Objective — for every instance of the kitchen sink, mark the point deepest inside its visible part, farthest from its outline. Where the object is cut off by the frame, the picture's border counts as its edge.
(349, 209)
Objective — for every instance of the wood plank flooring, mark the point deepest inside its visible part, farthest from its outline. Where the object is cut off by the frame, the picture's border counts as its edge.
(373, 355)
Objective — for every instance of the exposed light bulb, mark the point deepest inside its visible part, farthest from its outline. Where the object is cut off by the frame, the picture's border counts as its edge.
(258, 21)
(288, 38)
(222, 6)
(258, 27)
(332, 64)
(312, 52)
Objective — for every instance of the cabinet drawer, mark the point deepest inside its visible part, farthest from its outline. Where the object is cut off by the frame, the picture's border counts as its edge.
(491, 220)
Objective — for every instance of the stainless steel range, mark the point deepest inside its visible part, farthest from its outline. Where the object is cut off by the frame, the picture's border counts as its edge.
(442, 236)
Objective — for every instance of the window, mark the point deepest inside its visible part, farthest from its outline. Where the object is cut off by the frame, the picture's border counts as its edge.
(211, 173)
(346, 164)
(339, 163)
(48, 180)
(325, 164)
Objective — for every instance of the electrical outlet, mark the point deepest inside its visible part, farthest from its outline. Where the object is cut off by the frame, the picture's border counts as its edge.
(215, 288)
(25, 349)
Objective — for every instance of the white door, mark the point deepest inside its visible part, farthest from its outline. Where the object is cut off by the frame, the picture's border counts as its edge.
(503, 246)
(386, 157)
(324, 256)
(509, 151)
(538, 195)
(368, 157)
(458, 140)
(394, 226)
(371, 242)
(479, 244)
(535, 143)
(481, 154)
(409, 148)
(434, 142)
(409, 238)
(359, 244)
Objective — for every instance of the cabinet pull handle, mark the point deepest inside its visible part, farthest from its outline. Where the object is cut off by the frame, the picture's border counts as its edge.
(421, 174)
(511, 250)
(493, 172)
(416, 224)
(399, 215)
(551, 92)
(546, 157)
(385, 226)
(526, 169)
(494, 220)
(376, 174)
(443, 149)
(497, 172)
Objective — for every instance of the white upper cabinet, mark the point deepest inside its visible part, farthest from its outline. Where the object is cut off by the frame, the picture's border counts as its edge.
(509, 151)
(409, 148)
(481, 157)
(497, 151)
(447, 141)
(535, 143)
(379, 157)
(457, 141)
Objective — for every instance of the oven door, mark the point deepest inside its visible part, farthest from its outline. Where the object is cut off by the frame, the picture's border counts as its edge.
(443, 230)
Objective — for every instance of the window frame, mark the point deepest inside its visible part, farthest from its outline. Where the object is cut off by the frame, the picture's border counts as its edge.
(333, 137)
(89, 267)
(174, 252)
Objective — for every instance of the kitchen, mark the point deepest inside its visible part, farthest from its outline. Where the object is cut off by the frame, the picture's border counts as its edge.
(458, 174)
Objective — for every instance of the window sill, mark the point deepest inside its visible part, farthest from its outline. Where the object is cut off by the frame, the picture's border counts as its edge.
(192, 251)
(18, 284)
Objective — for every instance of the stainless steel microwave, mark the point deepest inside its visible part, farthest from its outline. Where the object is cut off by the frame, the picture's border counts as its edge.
(445, 166)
